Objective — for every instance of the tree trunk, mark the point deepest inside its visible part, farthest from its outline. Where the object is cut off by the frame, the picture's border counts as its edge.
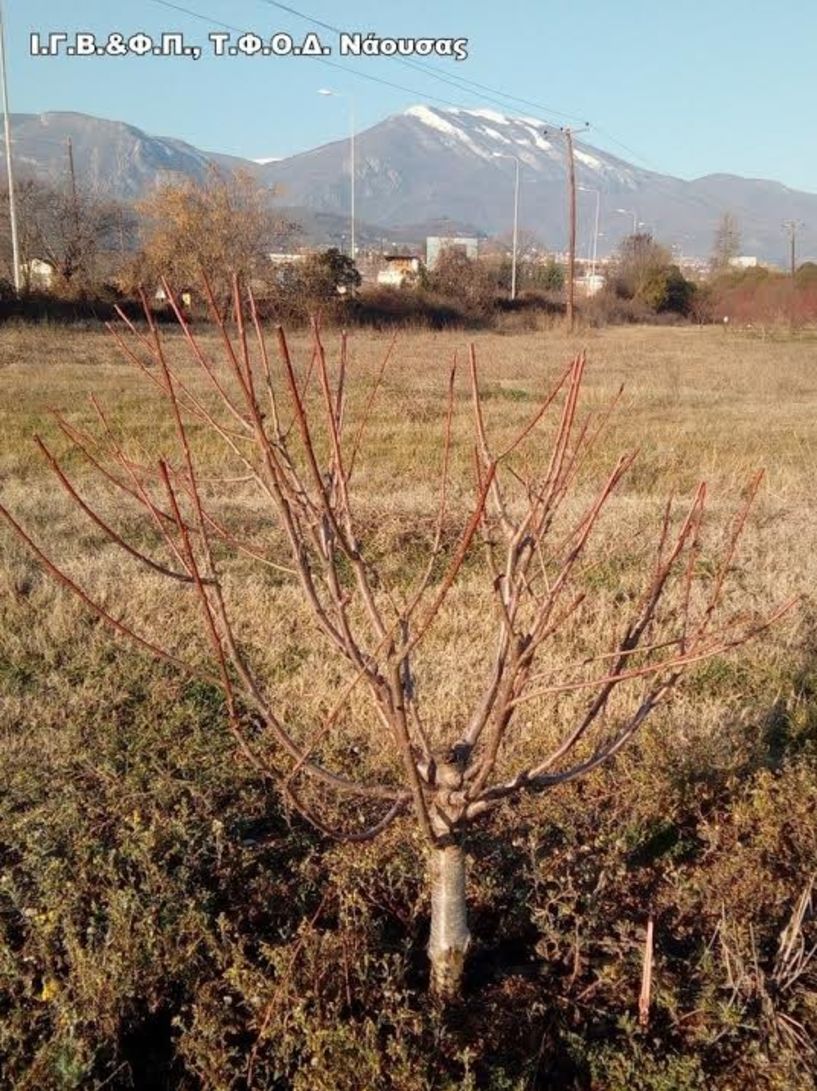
(450, 937)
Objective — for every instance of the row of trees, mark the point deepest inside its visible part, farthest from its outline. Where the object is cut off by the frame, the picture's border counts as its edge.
(224, 223)
(82, 237)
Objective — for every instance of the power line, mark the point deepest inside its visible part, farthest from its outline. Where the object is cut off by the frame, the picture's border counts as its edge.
(460, 83)
(625, 147)
(463, 83)
(321, 60)
(455, 80)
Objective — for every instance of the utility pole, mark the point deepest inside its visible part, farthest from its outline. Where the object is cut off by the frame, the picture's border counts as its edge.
(571, 255)
(72, 176)
(15, 242)
(74, 250)
(504, 155)
(791, 226)
(571, 204)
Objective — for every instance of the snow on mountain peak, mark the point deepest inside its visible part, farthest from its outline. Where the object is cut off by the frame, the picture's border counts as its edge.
(433, 119)
(588, 160)
(490, 115)
(504, 134)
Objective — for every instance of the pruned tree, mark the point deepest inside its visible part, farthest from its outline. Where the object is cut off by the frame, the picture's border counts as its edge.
(289, 431)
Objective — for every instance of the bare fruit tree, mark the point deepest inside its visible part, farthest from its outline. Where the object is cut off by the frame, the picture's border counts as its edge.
(288, 429)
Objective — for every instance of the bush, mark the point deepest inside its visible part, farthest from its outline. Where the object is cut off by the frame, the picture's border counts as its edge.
(644, 274)
(456, 277)
(763, 298)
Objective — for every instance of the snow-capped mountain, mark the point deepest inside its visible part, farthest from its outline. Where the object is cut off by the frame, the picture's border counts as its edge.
(491, 135)
(433, 170)
(434, 164)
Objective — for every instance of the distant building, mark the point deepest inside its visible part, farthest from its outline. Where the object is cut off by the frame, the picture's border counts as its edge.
(401, 269)
(436, 244)
(38, 274)
(744, 261)
(286, 259)
(184, 297)
(590, 284)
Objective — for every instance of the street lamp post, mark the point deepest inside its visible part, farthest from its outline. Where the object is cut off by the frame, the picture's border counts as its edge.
(629, 212)
(15, 243)
(352, 170)
(587, 189)
(505, 155)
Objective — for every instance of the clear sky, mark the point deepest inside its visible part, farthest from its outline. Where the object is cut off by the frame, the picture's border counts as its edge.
(689, 88)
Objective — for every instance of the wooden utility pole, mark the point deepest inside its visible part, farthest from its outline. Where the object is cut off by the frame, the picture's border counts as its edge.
(571, 253)
(570, 309)
(72, 174)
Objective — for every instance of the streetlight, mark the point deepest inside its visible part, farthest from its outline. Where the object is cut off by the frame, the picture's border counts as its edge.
(15, 245)
(629, 212)
(351, 101)
(507, 155)
(587, 189)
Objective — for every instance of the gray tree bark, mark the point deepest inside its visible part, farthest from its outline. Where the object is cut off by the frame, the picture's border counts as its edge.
(450, 938)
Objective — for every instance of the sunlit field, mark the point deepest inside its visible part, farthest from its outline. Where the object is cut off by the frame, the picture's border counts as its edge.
(166, 922)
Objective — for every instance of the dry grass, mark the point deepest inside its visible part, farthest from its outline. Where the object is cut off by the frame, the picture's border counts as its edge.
(724, 777)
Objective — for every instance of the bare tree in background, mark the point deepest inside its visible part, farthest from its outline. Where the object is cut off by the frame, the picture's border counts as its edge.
(71, 229)
(288, 430)
(81, 236)
(224, 224)
(725, 244)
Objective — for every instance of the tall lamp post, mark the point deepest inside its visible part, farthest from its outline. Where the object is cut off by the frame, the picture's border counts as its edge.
(587, 189)
(352, 170)
(629, 212)
(506, 155)
(15, 243)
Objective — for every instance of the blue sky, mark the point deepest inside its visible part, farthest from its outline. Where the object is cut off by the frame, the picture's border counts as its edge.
(687, 88)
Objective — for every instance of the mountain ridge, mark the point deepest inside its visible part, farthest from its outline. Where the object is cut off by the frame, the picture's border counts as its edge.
(432, 163)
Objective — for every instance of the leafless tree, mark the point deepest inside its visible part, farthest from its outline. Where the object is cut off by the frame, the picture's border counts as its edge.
(72, 229)
(288, 429)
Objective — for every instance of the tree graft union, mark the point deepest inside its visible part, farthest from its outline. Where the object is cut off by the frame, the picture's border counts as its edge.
(289, 432)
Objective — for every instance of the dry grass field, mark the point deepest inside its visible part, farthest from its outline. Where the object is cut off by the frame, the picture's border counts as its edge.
(164, 922)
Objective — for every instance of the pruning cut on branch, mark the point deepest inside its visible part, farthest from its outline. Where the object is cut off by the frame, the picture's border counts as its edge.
(287, 431)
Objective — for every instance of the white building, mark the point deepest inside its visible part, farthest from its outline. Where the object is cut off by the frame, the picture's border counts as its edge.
(590, 284)
(400, 269)
(38, 274)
